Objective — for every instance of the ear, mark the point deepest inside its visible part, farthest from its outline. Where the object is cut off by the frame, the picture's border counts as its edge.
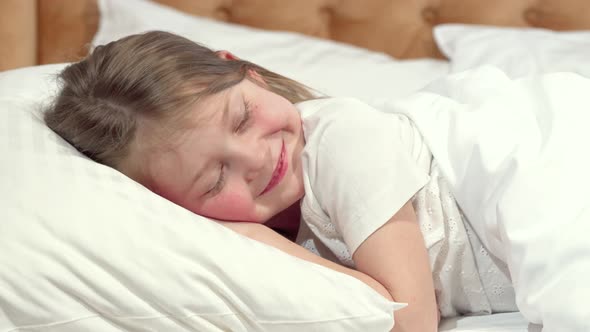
(256, 77)
(226, 55)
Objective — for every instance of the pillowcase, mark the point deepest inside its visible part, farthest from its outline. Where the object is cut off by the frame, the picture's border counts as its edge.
(517, 51)
(333, 68)
(84, 248)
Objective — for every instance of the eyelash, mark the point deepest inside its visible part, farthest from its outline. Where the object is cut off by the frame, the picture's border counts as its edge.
(243, 125)
(220, 182)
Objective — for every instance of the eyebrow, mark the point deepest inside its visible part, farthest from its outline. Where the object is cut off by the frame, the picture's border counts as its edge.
(225, 110)
(224, 120)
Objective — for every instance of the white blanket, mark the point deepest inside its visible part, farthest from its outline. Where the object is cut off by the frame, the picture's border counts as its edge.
(515, 153)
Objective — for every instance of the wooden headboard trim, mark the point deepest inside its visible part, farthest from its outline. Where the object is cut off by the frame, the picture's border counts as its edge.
(18, 33)
(47, 31)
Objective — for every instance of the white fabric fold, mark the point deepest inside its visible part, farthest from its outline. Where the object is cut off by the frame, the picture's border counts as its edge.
(515, 154)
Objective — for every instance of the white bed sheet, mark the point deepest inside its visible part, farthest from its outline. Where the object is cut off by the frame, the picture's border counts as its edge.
(503, 322)
(508, 147)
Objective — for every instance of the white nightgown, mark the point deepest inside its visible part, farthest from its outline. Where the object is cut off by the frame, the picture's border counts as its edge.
(360, 167)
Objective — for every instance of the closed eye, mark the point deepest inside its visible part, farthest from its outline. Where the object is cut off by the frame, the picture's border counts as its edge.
(219, 183)
(246, 117)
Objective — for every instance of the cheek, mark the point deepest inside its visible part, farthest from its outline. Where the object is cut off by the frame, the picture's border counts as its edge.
(271, 113)
(228, 206)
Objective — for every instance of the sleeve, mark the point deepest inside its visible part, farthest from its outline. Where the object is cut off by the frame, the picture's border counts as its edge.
(360, 171)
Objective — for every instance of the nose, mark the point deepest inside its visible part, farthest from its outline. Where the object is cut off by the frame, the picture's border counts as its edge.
(252, 157)
(251, 175)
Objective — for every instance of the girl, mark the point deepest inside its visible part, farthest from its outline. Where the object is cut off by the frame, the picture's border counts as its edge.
(232, 141)
(223, 138)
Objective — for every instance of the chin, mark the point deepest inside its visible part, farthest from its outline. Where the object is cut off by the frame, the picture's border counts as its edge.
(299, 192)
(263, 217)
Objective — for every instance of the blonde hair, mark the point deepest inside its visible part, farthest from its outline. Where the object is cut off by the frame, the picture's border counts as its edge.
(151, 76)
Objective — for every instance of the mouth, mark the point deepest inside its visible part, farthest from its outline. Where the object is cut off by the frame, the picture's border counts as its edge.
(279, 172)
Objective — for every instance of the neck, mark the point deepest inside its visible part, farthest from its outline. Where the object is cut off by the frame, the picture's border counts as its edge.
(286, 222)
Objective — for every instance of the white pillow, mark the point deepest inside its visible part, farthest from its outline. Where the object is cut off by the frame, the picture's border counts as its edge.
(84, 248)
(517, 51)
(333, 68)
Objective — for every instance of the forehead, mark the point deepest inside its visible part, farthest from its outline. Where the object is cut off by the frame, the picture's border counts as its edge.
(206, 111)
(189, 143)
(171, 167)
(199, 128)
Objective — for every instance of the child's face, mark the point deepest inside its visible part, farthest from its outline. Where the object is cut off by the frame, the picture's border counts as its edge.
(240, 161)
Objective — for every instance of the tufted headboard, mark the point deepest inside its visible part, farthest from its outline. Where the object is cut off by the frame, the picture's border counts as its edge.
(47, 31)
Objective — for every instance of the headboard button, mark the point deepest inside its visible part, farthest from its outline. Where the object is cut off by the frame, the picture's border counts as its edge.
(531, 16)
(430, 15)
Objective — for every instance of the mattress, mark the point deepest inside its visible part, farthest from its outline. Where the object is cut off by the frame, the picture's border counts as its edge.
(501, 322)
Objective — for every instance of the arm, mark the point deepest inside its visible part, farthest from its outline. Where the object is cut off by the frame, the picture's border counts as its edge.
(261, 233)
(396, 257)
(359, 187)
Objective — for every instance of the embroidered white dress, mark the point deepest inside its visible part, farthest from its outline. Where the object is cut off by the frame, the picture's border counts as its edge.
(360, 167)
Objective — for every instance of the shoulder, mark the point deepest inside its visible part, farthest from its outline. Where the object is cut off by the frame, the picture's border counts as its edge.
(347, 116)
(334, 105)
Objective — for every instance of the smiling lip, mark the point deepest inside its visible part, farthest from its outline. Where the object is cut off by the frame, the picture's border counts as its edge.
(279, 171)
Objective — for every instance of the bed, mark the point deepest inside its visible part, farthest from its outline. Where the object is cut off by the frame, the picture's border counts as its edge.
(334, 46)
